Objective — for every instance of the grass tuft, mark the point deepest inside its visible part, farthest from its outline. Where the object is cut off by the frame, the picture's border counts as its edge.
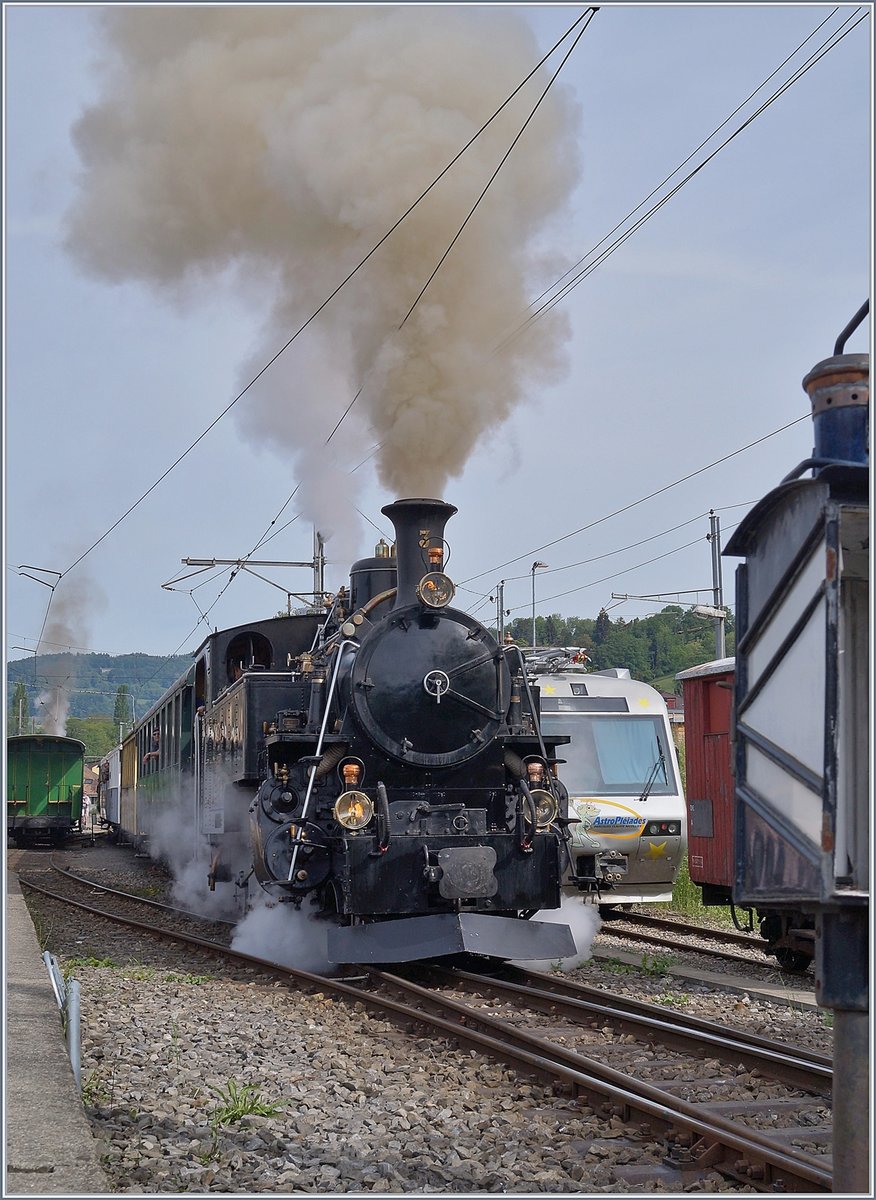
(240, 1101)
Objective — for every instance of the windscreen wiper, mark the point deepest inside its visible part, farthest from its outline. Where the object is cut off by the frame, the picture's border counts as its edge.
(659, 762)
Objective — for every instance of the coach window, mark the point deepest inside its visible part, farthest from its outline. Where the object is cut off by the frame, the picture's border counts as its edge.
(153, 754)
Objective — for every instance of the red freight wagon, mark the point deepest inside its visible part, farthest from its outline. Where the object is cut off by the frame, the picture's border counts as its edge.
(710, 792)
(709, 787)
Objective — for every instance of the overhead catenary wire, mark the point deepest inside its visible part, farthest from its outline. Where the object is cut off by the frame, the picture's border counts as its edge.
(835, 38)
(635, 503)
(617, 574)
(686, 160)
(501, 163)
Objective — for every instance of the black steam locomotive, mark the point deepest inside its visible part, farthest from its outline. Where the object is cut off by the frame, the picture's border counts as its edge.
(392, 769)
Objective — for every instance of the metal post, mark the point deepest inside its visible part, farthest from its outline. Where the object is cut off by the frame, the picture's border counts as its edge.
(851, 1101)
(717, 584)
(318, 568)
(500, 615)
(536, 566)
(67, 996)
(73, 1031)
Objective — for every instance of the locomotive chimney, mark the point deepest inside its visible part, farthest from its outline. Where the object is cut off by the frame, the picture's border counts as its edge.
(839, 389)
(419, 528)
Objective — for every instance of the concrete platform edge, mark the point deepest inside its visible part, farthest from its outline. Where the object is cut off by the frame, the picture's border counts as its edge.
(49, 1146)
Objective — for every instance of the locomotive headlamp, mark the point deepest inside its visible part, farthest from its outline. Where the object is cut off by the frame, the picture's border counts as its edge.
(436, 557)
(435, 589)
(535, 771)
(546, 810)
(353, 810)
(352, 772)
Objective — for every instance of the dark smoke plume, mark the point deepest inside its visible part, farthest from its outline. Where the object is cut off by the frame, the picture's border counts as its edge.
(279, 144)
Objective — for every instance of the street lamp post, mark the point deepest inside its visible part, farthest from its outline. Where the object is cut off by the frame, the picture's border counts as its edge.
(536, 566)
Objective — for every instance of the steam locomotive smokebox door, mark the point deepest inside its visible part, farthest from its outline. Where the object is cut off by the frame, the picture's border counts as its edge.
(443, 687)
(802, 726)
(410, 939)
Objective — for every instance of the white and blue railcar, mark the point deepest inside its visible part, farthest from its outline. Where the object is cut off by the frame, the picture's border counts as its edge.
(624, 783)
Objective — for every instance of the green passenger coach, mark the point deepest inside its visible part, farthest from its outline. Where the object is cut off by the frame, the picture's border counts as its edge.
(44, 778)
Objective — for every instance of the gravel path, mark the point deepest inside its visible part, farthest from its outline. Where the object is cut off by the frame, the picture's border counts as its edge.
(349, 1102)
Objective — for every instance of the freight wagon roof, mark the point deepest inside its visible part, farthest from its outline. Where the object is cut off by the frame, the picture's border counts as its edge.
(718, 666)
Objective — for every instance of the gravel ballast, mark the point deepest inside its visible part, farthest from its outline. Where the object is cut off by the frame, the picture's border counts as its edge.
(349, 1102)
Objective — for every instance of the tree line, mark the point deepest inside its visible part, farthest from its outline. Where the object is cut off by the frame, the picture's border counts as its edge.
(106, 692)
(103, 694)
(652, 648)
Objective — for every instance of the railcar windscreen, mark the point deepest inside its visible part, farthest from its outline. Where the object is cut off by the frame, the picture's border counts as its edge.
(614, 756)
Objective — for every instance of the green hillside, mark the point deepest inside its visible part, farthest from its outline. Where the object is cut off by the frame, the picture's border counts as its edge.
(90, 683)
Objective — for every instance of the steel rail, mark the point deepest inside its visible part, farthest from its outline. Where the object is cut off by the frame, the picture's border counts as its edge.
(570, 987)
(748, 1156)
(158, 904)
(656, 940)
(593, 1076)
(731, 936)
(669, 1028)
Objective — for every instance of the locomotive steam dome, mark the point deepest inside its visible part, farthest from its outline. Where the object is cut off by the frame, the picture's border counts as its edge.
(419, 658)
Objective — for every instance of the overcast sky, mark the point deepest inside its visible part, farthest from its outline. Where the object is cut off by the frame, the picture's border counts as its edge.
(689, 342)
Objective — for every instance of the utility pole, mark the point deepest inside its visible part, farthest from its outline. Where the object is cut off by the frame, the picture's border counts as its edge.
(714, 537)
(501, 612)
(318, 567)
(536, 566)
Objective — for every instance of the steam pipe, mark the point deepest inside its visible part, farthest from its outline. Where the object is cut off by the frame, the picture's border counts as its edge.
(535, 721)
(856, 320)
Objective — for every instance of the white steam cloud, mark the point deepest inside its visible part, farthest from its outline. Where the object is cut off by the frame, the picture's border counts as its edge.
(278, 932)
(73, 604)
(583, 920)
(284, 934)
(279, 144)
(175, 837)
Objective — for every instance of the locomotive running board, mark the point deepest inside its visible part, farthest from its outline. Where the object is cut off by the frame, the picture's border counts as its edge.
(409, 939)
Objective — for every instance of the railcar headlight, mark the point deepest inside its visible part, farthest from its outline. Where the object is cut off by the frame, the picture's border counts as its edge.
(353, 810)
(546, 810)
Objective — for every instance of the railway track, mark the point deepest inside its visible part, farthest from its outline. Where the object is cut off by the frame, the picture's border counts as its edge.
(659, 931)
(599, 1048)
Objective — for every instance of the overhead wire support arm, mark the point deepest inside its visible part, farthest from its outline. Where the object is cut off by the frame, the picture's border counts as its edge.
(242, 562)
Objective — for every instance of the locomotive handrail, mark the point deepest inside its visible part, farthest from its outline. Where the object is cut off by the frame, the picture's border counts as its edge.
(524, 841)
(297, 840)
(536, 723)
(382, 841)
